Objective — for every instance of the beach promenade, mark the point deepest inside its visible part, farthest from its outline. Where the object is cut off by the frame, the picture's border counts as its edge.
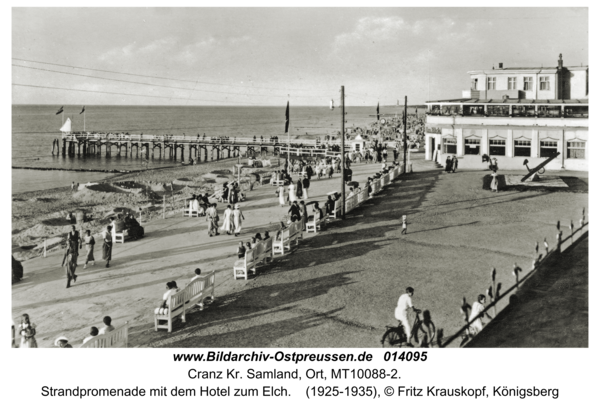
(338, 289)
(133, 285)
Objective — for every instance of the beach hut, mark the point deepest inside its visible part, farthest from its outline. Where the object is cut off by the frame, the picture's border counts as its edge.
(359, 144)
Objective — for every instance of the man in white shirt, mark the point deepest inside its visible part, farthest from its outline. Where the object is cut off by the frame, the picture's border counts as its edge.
(197, 272)
(107, 326)
(401, 312)
(93, 332)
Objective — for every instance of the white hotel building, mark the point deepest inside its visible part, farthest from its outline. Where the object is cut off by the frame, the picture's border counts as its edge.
(512, 114)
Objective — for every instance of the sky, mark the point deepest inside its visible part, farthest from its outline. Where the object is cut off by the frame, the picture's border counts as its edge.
(266, 56)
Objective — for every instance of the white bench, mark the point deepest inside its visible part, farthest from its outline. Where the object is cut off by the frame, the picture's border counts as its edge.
(200, 289)
(337, 210)
(243, 266)
(293, 233)
(117, 338)
(120, 237)
(187, 211)
(277, 182)
(315, 224)
(265, 253)
(351, 203)
(175, 307)
(194, 293)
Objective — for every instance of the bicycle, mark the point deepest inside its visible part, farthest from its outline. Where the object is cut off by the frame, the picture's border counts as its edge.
(423, 331)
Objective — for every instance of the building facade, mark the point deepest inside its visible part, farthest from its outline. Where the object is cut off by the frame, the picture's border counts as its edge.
(514, 114)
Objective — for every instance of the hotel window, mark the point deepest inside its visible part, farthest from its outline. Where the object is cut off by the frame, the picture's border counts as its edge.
(547, 148)
(576, 149)
(544, 83)
(497, 147)
(449, 145)
(512, 83)
(491, 83)
(472, 146)
(528, 83)
(522, 148)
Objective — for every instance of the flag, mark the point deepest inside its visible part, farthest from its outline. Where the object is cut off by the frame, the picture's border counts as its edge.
(287, 117)
(82, 110)
(377, 111)
(60, 110)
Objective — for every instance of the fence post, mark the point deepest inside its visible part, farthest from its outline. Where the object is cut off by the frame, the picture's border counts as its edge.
(44, 247)
(164, 205)
(140, 216)
(516, 271)
(571, 229)
(493, 288)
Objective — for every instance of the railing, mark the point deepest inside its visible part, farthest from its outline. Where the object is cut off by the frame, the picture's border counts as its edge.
(181, 139)
(494, 290)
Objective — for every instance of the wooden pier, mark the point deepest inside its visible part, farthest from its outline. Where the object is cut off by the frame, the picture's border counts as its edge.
(88, 144)
(167, 147)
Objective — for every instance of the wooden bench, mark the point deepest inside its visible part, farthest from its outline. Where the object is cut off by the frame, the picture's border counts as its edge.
(265, 253)
(201, 288)
(289, 235)
(337, 210)
(117, 338)
(175, 307)
(243, 266)
(315, 224)
(351, 203)
(120, 237)
(277, 182)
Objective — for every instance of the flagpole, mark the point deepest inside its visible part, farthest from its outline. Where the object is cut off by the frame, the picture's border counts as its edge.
(84, 118)
(343, 212)
(289, 128)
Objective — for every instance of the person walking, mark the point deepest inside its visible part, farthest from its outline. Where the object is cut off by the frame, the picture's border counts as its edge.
(305, 186)
(27, 332)
(227, 224)
(299, 187)
(89, 247)
(404, 225)
(75, 238)
(238, 217)
(107, 245)
(292, 192)
(454, 163)
(213, 218)
(281, 194)
(70, 262)
(303, 214)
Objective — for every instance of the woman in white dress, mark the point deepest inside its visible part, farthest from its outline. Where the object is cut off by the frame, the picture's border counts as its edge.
(281, 193)
(238, 217)
(227, 224)
(292, 192)
(194, 205)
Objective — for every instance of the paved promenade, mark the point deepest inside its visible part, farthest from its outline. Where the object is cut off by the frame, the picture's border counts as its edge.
(339, 289)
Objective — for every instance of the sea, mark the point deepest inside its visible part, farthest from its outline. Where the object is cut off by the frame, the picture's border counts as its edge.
(34, 127)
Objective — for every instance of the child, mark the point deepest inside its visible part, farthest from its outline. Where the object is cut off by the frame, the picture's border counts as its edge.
(241, 251)
(404, 223)
(89, 247)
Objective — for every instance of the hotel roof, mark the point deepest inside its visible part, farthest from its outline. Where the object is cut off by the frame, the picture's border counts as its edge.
(515, 101)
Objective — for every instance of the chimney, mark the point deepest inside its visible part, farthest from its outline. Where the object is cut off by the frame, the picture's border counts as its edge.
(500, 65)
(560, 61)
